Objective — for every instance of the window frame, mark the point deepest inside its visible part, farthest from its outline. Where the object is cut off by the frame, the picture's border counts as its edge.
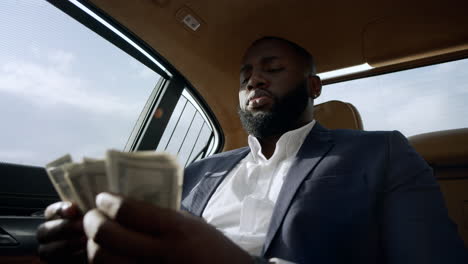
(439, 59)
(166, 93)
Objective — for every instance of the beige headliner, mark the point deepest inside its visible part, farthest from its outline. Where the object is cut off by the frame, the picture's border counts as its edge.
(386, 34)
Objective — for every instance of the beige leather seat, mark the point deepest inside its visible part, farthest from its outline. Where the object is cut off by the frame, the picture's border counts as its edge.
(447, 153)
(338, 115)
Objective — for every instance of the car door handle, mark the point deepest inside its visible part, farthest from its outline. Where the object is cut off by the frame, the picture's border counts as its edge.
(6, 240)
(18, 235)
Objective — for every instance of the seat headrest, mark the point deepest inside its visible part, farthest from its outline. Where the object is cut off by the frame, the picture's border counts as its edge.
(443, 148)
(338, 115)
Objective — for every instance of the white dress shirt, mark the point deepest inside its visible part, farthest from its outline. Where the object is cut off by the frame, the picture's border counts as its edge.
(243, 203)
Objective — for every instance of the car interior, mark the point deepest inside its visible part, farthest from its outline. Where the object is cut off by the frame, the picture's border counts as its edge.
(200, 45)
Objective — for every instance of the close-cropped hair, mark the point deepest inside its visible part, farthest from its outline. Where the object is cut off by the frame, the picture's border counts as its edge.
(300, 51)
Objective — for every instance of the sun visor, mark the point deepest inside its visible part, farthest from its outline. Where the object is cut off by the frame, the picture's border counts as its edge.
(403, 38)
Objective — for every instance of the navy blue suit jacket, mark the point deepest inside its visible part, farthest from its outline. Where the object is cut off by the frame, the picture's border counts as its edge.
(350, 197)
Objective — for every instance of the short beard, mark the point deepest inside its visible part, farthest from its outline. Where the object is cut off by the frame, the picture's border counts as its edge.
(282, 117)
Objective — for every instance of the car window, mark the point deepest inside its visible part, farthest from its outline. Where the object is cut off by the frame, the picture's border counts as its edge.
(189, 134)
(413, 101)
(63, 88)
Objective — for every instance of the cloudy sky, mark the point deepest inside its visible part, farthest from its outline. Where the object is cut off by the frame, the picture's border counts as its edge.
(413, 101)
(65, 89)
(62, 87)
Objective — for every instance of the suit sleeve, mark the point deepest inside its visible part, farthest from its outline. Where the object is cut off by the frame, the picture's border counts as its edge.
(191, 178)
(415, 223)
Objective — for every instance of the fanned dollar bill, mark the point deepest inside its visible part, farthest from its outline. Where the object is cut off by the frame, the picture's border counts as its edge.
(57, 177)
(79, 185)
(95, 172)
(152, 177)
(149, 176)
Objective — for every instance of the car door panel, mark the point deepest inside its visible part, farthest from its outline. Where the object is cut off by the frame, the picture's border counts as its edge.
(24, 194)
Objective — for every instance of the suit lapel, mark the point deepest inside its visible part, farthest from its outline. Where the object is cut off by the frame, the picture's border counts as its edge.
(316, 145)
(210, 181)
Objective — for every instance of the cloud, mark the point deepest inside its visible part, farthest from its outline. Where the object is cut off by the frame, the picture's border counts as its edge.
(52, 83)
(56, 105)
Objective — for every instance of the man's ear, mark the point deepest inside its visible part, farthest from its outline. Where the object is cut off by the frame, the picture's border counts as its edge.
(315, 86)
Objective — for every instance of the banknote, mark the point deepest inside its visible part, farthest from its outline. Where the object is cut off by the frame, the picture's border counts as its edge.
(148, 176)
(95, 172)
(113, 157)
(60, 161)
(79, 186)
(57, 177)
(152, 177)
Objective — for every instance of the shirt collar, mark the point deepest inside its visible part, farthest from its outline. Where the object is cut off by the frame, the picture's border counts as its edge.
(288, 144)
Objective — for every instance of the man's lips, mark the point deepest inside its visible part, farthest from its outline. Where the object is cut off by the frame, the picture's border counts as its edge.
(259, 101)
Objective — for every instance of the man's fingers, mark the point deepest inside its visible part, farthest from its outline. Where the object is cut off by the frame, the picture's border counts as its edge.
(97, 254)
(62, 210)
(116, 238)
(59, 251)
(59, 229)
(139, 215)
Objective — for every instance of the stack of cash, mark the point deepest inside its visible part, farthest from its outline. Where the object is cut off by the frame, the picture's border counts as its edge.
(148, 176)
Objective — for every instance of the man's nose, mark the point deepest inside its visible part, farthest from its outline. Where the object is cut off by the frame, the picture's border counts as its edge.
(257, 81)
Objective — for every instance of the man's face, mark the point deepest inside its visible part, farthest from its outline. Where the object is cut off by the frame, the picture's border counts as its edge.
(269, 69)
(273, 88)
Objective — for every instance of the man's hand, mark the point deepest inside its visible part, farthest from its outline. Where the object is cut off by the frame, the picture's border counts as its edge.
(126, 231)
(61, 238)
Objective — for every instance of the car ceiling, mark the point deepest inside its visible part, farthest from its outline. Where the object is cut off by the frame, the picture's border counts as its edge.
(388, 35)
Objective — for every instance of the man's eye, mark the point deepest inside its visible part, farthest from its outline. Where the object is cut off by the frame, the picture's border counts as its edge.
(275, 70)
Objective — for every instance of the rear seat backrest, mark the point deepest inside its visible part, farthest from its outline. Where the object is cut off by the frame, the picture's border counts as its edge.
(338, 115)
(447, 153)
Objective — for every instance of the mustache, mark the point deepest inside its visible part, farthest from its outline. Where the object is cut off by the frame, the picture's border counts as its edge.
(258, 93)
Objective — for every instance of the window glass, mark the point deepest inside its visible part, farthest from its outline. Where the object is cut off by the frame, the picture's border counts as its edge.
(413, 101)
(188, 133)
(63, 88)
